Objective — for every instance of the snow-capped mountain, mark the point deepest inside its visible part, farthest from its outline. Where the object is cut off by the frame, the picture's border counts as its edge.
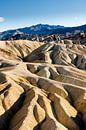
(40, 29)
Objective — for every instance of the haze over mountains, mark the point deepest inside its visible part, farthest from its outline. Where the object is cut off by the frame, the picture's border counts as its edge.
(41, 29)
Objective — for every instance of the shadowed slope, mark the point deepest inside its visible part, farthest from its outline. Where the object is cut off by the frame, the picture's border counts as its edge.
(48, 92)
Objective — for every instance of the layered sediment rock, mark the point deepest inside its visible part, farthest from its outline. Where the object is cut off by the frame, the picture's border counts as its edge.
(42, 86)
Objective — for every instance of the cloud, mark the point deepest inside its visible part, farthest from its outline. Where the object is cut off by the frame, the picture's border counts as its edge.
(2, 19)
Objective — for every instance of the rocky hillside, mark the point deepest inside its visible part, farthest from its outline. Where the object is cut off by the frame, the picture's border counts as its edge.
(42, 85)
(40, 30)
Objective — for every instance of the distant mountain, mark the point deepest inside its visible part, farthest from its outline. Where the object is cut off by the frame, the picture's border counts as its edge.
(40, 29)
(69, 29)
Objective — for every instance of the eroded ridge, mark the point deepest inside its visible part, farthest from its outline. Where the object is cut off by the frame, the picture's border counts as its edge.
(42, 86)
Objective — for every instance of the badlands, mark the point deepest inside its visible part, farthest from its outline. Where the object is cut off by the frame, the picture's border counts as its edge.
(42, 85)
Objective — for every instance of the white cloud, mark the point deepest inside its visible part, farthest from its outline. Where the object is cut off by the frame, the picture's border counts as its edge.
(2, 19)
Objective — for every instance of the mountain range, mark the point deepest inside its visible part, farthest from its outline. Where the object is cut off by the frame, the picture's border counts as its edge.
(41, 29)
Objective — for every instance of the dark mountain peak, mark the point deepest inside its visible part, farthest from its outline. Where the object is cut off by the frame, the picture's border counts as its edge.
(47, 25)
(42, 29)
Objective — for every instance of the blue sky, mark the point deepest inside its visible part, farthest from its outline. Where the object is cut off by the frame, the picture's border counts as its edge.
(22, 13)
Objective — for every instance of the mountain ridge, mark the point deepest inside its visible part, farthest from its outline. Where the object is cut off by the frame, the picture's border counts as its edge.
(42, 29)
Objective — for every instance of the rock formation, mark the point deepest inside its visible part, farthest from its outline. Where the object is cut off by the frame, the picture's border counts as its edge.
(42, 86)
